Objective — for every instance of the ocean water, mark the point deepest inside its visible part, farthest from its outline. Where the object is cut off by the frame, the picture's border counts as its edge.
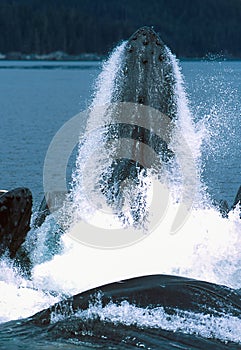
(36, 99)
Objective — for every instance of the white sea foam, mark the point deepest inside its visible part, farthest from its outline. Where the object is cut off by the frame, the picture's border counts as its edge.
(222, 327)
(225, 328)
(18, 297)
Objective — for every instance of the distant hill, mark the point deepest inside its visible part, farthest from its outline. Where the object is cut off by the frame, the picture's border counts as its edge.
(191, 28)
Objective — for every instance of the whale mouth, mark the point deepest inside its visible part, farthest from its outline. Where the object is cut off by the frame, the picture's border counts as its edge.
(148, 76)
(146, 43)
(146, 36)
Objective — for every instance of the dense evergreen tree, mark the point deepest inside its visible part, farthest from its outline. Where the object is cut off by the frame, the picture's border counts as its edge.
(192, 28)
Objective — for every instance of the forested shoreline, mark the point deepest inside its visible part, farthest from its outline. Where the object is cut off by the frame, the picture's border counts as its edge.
(191, 28)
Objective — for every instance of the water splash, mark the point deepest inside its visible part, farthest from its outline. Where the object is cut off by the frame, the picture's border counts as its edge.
(223, 327)
(18, 297)
(105, 86)
(207, 247)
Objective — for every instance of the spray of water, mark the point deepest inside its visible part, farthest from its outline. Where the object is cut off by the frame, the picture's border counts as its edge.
(207, 246)
(224, 328)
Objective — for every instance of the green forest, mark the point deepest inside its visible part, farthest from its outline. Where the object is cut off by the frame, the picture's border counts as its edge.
(191, 28)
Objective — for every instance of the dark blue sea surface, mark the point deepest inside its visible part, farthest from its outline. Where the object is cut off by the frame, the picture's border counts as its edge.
(36, 99)
(214, 90)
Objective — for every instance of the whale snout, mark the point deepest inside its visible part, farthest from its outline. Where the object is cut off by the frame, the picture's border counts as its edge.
(148, 76)
(146, 36)
(144, 44)
(146, 48)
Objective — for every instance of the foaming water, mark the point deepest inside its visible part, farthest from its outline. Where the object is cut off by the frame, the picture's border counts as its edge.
(205, 247)
(187, 139)
(18, 297)
(105, 84)
(90, 147)
(224, 328)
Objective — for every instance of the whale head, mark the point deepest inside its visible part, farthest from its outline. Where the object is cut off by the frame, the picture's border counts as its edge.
(148, 76)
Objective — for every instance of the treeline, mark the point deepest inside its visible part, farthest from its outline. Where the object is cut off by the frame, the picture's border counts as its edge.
(191, 28)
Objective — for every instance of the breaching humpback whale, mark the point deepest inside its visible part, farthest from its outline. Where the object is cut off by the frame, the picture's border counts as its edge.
(146, 78)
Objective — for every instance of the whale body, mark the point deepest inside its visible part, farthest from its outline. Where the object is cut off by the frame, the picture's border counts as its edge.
(145, 94)
(152, 291)
(147, 78)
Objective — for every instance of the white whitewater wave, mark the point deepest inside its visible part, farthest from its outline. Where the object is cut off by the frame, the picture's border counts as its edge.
(18, 297)
(105, 83)
(222, 327)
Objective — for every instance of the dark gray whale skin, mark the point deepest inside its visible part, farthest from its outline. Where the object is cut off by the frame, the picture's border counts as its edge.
(148, 75)
(174, 294)
(224, 208)
(237, 200)
(152, 291)
(15, 214)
